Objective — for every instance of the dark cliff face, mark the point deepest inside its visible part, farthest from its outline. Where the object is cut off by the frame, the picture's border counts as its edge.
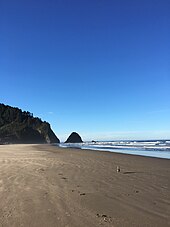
(17, 126)
(74, 138)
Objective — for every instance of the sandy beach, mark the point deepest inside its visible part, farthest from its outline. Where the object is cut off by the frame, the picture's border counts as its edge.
(43, 185)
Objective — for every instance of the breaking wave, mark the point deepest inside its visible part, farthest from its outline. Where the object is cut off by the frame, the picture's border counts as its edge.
(152, 148)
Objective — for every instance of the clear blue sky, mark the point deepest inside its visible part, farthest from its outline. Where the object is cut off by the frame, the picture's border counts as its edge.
(98, 67)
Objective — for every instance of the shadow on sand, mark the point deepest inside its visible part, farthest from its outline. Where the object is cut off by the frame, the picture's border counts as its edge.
(131, 172)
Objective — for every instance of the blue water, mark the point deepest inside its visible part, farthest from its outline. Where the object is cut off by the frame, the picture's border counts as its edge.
(150, 148)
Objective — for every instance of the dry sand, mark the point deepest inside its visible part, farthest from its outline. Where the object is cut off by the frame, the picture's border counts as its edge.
(43, 186)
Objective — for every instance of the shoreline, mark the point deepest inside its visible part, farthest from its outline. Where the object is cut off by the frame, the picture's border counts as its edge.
(110, 151)
(115, 150)
(45, 185)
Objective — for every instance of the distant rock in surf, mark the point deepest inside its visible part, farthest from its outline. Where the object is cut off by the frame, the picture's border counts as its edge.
(74, 138)
(17, 126)
(93, 141)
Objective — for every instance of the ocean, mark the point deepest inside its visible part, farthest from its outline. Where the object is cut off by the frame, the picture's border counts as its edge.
(151, 148)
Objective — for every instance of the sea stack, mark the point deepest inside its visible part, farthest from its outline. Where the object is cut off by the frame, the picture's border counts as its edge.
(74, 138)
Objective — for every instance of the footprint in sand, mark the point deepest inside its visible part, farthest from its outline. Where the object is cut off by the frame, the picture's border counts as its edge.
(82, 193)
(104, 218)
(1, 186)
(63, 178)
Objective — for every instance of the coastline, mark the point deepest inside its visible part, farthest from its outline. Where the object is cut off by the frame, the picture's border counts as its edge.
(116, 151)
(152, 148)
(44, 185)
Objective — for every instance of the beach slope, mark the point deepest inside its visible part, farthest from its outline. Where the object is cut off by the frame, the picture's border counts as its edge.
(43, 185)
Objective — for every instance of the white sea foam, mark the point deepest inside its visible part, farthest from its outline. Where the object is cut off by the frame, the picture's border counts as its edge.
(158, 148)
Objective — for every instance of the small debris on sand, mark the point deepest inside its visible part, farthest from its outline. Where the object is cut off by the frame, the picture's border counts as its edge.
(118, 169)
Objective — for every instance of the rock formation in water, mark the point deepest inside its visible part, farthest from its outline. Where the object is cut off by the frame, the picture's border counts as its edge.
(17, 126)
(74, 138)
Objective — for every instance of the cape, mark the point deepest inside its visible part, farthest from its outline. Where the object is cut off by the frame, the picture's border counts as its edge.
(17, 126)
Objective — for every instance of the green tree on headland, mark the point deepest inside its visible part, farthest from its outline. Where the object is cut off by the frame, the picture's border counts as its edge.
(17, 126)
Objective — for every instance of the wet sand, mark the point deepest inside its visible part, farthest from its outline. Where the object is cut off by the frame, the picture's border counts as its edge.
(43, 186)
